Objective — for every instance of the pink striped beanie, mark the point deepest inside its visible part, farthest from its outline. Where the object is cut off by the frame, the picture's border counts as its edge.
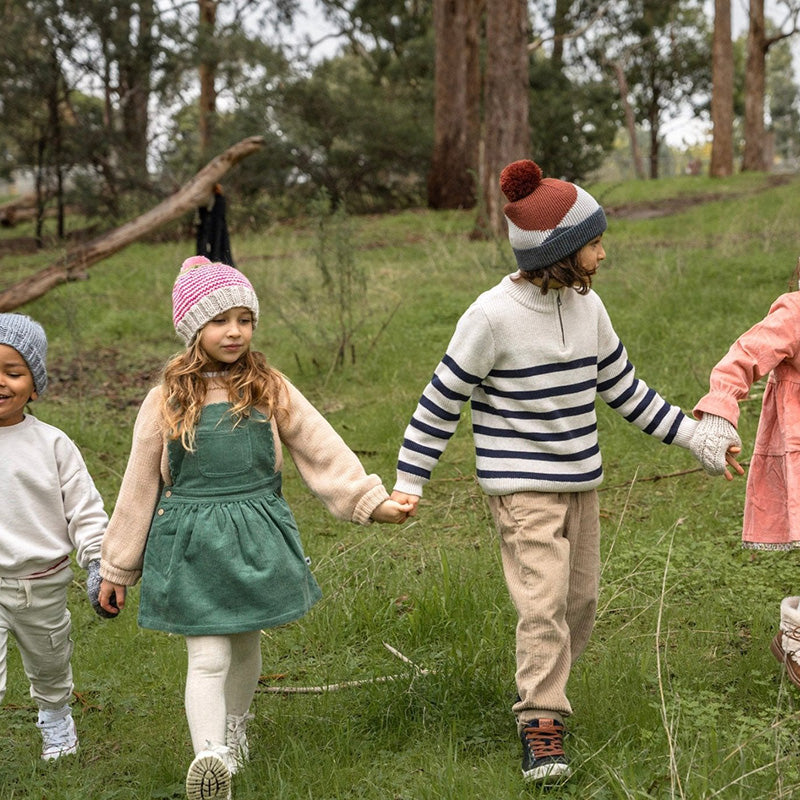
(548, 219)
(204, 289)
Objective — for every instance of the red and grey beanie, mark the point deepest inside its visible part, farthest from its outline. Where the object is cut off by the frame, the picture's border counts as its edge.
(548, 219)
(204, 289)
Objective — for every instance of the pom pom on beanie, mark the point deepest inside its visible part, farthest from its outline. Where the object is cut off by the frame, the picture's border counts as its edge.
(27, 337)
(203, 290)
(519, 179)
(548, 219)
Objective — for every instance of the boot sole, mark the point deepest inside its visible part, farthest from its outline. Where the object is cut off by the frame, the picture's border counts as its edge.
(208, 778)
(548, 773)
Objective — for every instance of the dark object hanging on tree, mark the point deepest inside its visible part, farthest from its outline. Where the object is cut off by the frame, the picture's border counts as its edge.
(213, 241)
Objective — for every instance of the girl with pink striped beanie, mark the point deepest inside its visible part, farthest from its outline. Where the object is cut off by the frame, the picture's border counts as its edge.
(220, 557)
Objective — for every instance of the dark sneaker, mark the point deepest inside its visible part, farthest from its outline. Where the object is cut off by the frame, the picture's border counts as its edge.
(543, 756)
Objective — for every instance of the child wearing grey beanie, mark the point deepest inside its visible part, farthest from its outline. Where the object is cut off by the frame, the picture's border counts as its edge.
(51, 509)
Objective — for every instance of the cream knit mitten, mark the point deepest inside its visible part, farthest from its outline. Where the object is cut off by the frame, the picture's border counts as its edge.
(711, 440)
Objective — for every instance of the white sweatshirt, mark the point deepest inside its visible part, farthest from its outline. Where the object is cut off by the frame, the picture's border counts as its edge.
(50, 506)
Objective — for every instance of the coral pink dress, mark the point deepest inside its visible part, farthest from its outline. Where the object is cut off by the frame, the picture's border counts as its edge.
(772, 504)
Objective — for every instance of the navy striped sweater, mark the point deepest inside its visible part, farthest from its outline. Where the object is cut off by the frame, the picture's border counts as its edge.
(532, 366)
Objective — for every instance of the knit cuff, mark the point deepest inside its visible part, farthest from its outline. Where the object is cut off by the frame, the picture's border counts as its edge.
(121, 577)
(368, 503)
(685, 432)
(409, 484)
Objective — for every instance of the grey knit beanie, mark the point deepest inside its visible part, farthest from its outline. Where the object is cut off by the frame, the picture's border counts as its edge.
(27, 337)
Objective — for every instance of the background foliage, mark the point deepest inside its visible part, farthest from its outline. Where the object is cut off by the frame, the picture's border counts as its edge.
(101, 100)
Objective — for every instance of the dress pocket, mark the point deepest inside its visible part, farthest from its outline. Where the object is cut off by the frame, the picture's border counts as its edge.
(224, 453)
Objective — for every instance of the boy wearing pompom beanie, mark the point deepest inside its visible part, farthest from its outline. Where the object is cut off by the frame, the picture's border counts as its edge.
(531, 355)
(50, 509)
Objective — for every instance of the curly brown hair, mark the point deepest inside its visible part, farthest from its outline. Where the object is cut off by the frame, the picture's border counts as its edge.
(566, 272)
(250, 382)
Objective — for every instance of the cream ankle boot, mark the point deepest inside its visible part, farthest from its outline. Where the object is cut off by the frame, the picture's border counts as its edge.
(786, 644)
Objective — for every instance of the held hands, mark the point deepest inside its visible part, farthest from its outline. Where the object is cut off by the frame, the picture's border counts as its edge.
(93, 581)
(111, 598)
(715, 443)
(393, 510)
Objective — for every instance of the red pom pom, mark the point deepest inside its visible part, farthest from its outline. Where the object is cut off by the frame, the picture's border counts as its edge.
(519, 179)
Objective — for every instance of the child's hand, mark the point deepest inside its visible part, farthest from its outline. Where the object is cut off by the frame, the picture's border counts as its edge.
(111, 597)
(93, 582)
(403, 499)
(392, 511)
(731, 461)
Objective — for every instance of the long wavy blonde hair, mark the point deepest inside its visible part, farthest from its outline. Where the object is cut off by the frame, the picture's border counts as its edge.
(250, 382)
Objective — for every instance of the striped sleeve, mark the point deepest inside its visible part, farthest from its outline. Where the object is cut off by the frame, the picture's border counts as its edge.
(632, 398)
(465, 364)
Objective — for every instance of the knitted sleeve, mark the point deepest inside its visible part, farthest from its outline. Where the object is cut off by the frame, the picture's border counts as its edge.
(329, 468)
(467, 360)
(753, 355)
(125, 538)
(631, 397)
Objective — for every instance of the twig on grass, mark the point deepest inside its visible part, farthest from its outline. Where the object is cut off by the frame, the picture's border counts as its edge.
(333, 687)
(654, 478)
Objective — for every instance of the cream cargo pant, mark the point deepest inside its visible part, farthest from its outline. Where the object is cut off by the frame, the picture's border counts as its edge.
(36, 613)
(550, 547)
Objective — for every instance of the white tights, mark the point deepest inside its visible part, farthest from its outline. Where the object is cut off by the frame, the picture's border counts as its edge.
(221, 679)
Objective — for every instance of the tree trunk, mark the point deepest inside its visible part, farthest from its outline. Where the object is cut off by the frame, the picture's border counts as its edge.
(135, 67)
(754, 88)
(207, 71)
(655, 146)
(722, 92)
(630, 119)
(71, 267)
(506, 105)
(561, 27)
(454, 162)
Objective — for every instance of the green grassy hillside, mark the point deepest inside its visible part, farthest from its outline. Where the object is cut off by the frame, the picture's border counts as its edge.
(677, 695)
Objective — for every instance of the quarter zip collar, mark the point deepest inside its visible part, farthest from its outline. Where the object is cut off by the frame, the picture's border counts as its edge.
(530, 295)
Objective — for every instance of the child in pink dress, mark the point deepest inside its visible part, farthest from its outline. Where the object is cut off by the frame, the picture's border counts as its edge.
(772, 504)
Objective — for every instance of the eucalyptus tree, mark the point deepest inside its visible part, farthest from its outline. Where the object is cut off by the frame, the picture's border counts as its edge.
(36, 126)
(783, 104)
(759, 41)
(660, 52)
(722, 67)
(452, 181)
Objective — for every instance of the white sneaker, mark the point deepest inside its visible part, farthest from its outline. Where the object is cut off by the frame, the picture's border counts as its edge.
(208, 777)
(236, 740)
(59, 737)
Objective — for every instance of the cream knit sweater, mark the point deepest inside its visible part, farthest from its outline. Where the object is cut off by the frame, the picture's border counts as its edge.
(327, 465)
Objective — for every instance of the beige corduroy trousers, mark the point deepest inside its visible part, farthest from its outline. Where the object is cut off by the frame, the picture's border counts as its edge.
(550, 547)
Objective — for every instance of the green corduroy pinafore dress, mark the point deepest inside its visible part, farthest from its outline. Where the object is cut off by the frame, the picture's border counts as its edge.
(223, 553)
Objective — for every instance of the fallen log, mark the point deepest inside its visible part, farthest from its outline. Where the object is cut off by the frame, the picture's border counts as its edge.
(75, 262)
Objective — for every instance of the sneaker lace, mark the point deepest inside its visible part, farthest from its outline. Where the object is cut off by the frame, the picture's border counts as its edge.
(545, 741)
(57, 734)
(792, 633)
(237, 729)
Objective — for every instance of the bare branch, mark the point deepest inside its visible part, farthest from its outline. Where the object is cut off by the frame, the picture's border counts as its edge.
(577, 33)
(73, 264)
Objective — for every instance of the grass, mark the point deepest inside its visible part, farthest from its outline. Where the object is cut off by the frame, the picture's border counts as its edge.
(677, 695)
